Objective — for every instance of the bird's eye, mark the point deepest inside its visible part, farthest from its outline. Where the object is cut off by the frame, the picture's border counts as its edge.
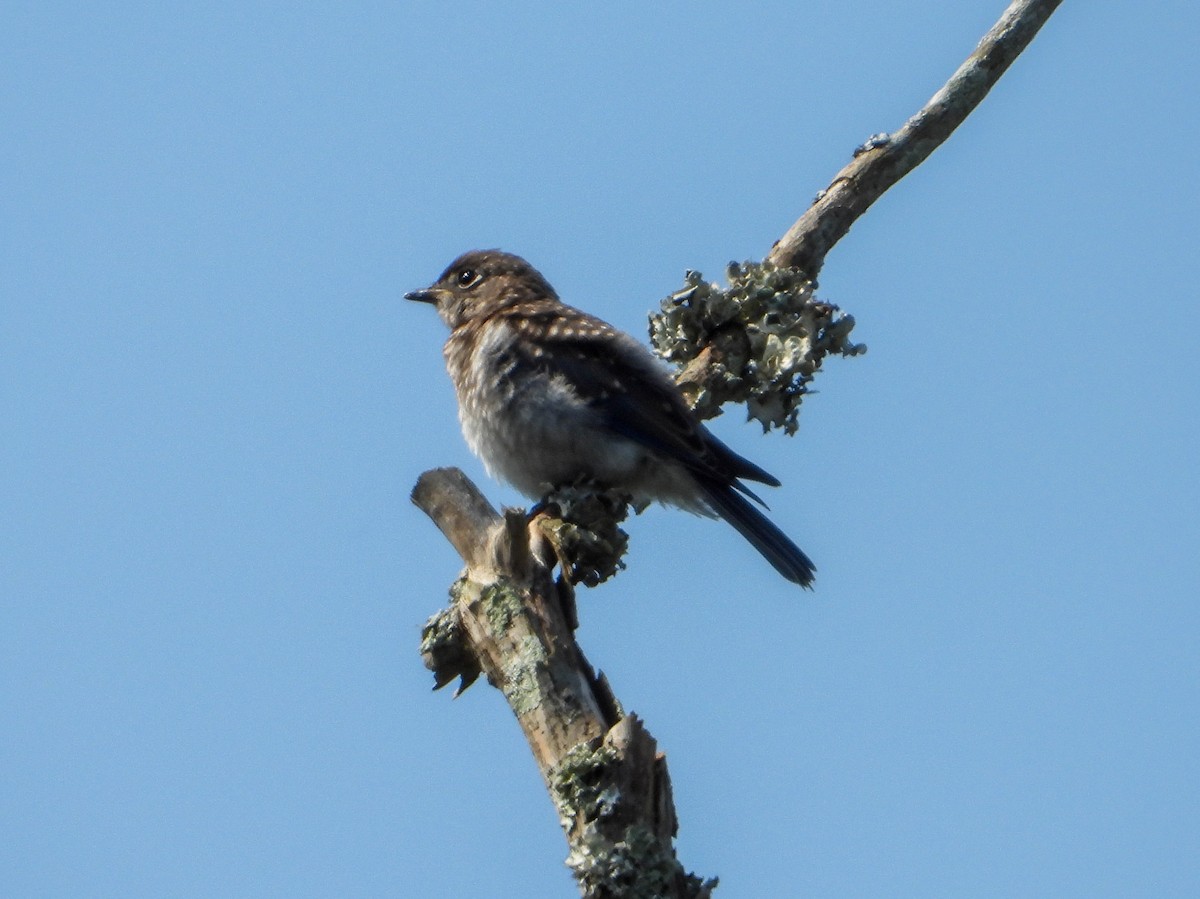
(468, 277)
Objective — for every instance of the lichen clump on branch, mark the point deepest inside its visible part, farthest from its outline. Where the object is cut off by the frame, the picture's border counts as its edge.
(758, 342)
(583, 523)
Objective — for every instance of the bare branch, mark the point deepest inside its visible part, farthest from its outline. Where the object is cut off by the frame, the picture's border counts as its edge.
(510, 621)
(887, 158)
(457, 507)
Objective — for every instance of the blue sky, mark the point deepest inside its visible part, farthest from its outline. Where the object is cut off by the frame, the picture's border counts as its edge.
(212, 580)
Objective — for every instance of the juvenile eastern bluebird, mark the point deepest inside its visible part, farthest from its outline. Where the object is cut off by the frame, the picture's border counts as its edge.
(548, 394)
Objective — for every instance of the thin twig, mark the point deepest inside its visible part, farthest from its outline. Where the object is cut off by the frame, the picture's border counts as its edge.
(887, 158)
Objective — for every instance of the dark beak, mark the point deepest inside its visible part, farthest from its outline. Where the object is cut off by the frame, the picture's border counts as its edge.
(428, 295)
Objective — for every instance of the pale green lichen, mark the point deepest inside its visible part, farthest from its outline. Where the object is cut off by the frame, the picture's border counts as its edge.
(442, 633)
(521, 676)
(501, 603)
(638, 866)
(445, 652)
(581, 783)
(769, 335)
(584, 524)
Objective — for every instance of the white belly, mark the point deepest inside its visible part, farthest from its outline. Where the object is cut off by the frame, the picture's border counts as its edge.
(536, 433)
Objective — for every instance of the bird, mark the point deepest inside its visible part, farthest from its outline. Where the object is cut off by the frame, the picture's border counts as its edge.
(549, 395)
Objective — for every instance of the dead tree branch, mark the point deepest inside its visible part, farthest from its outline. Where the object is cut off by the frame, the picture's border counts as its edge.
(513, 622)
(886, 158)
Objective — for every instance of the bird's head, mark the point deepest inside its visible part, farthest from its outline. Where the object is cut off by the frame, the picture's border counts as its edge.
(480, 283)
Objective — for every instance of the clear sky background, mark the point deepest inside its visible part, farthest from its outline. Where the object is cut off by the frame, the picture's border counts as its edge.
(215, 404)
